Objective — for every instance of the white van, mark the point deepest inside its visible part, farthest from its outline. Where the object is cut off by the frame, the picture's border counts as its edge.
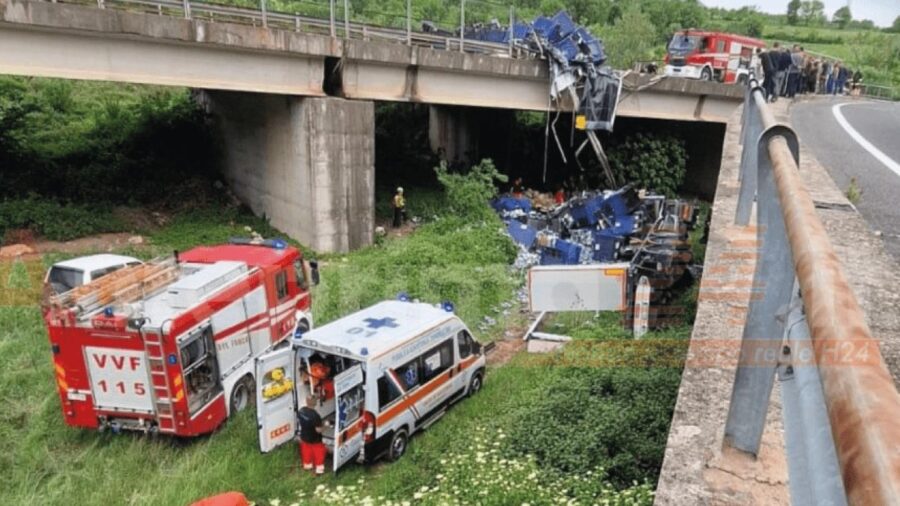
(66, 275)
(378, 376)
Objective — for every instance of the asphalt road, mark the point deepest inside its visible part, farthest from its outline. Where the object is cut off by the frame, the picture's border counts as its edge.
(843, 153)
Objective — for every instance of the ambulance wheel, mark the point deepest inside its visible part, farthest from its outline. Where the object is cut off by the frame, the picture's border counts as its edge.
(398, 445)
(476, 383)
(242, 394)
(706, 74)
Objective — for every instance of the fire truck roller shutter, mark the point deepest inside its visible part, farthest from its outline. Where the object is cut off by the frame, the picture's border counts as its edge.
(257, 311)
(230, 327)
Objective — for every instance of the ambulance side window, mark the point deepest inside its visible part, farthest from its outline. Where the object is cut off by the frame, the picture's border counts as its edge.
(281, 289)
(387, 391)
(437, 360)
(465, 344)
(409, 374)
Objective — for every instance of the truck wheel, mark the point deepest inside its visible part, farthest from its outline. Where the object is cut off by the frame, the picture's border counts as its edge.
(476, 383)
(242, 394)
(705, 74)
(398, 445)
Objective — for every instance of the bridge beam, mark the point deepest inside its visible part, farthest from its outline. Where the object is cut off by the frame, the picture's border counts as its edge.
(307, 164)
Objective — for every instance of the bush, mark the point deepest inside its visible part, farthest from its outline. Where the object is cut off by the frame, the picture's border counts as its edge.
(55, 221)
(653, 161)
(468, 193)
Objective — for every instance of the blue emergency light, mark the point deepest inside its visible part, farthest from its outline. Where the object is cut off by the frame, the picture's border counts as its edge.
(279, 243)
(447, 306)
(403, 297)
(108, 312)
(172, 359)
(364, 351)
(298, 333)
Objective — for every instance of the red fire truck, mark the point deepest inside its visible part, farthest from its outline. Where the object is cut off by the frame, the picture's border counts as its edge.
(709, 56)
(169, 346)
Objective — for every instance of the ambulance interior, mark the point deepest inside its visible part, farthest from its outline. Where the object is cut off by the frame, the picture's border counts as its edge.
(316, 373)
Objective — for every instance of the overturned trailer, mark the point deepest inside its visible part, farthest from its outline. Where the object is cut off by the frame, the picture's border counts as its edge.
(601, 251)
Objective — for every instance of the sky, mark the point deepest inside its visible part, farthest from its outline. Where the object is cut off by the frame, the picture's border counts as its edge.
(882, 12)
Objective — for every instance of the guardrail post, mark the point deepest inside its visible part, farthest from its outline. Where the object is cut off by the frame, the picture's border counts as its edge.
(296, 21)
(186, 5)
(409, 22)
(749, 154)
(346, 19)
(462, 25)
(331, 18)
(770, 294)
(264, 13)
(512, 32)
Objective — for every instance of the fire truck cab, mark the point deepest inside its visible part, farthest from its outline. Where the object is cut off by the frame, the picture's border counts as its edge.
(168, 346)
(375, 377)
(711, 56)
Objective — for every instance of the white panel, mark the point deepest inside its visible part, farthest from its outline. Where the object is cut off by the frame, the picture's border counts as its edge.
(234, 348)
(189, 290)
(119, 379)
(276, 406)
(556, 288)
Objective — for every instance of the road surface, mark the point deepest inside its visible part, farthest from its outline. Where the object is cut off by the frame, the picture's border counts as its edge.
(858, 139)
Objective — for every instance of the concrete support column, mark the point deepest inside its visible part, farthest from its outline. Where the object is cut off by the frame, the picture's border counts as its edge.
(453, 132)
(306, 163)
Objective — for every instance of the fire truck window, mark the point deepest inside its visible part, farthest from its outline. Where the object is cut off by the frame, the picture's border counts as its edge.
(409, 374)
(387, 391)
(437, 360)
(704, 45)
(300, 276)
(720, 46)
(199, 368)
(465, 344)
(281, 290)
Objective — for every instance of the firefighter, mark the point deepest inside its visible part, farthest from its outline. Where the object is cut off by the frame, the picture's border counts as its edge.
(399, 205)
(312, 449)
(517, 188)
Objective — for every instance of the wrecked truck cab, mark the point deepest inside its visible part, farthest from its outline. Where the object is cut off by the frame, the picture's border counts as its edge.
(376, 377)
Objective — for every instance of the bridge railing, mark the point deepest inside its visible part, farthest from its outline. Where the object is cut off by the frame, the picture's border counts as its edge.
(339, 18)
(840, 407)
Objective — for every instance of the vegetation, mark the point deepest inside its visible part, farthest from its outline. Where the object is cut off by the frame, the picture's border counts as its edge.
(657, 162)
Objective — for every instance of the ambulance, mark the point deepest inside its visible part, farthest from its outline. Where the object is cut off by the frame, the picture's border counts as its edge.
(168, 346)
(376, 377)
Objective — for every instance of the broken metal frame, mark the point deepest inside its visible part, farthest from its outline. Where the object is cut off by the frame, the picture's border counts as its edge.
(838, 416)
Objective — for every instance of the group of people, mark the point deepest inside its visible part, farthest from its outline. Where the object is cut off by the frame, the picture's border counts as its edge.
(789, 72)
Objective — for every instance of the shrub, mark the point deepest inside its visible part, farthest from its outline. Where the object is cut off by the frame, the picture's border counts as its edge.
(55, 221)
(653, 161)
(468, 193)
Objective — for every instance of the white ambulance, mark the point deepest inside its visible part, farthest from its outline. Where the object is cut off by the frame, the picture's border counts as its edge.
(375, 376)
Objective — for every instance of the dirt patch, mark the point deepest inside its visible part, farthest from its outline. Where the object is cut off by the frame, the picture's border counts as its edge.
(94, 243)
(504, 350)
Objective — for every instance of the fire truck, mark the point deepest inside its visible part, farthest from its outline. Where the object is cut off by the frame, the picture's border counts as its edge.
(168, 346)
(709, 56)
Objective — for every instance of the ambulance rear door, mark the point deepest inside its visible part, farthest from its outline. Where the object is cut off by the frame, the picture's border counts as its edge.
(349, 395)
(276, 401)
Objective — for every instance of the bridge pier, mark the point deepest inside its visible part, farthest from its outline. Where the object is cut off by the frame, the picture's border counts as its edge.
(306, 163)
(453, 133)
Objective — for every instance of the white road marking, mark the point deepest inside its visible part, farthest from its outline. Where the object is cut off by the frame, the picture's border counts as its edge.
(856, 136)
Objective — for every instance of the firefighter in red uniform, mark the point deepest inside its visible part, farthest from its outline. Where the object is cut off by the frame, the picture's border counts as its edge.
(312, 449)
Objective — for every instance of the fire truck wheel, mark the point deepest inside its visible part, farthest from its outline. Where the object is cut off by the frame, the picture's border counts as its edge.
(476, 383)
(398, 445)
(242, 394)
(706, 74)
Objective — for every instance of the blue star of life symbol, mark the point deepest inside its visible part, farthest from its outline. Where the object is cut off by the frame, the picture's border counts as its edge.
(377, 323)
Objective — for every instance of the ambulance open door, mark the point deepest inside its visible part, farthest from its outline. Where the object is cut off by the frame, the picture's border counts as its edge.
(349, 396)
(276, 400)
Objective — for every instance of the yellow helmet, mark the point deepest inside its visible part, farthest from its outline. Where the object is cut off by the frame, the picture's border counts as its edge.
(278, 374)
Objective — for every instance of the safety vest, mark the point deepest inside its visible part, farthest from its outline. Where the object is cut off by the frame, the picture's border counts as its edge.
(399, 201)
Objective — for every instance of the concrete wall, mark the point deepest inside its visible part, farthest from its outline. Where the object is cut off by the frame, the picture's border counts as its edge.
(305, 163)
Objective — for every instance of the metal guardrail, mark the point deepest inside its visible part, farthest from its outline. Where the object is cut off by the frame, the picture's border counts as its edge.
(841, 409)
(326, 17)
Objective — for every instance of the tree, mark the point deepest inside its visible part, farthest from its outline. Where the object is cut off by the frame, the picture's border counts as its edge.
(793, 10)
(896, 26)
(812, 12)
(842, 17)
(747, 21)
(631, 39)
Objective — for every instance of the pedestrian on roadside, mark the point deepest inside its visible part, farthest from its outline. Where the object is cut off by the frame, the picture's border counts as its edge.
(842, 77)
(768, 68)
(783, 63)
(312, 449)
(399, 205)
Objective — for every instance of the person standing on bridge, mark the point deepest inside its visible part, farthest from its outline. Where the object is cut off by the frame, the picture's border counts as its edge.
(312, 449)
(399, 205)
(768, 68)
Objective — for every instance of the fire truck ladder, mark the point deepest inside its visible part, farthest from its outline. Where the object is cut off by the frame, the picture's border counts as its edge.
(123, 286)
(159, 380)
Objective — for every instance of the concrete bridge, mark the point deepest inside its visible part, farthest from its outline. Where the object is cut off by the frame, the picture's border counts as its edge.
(296, 107)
